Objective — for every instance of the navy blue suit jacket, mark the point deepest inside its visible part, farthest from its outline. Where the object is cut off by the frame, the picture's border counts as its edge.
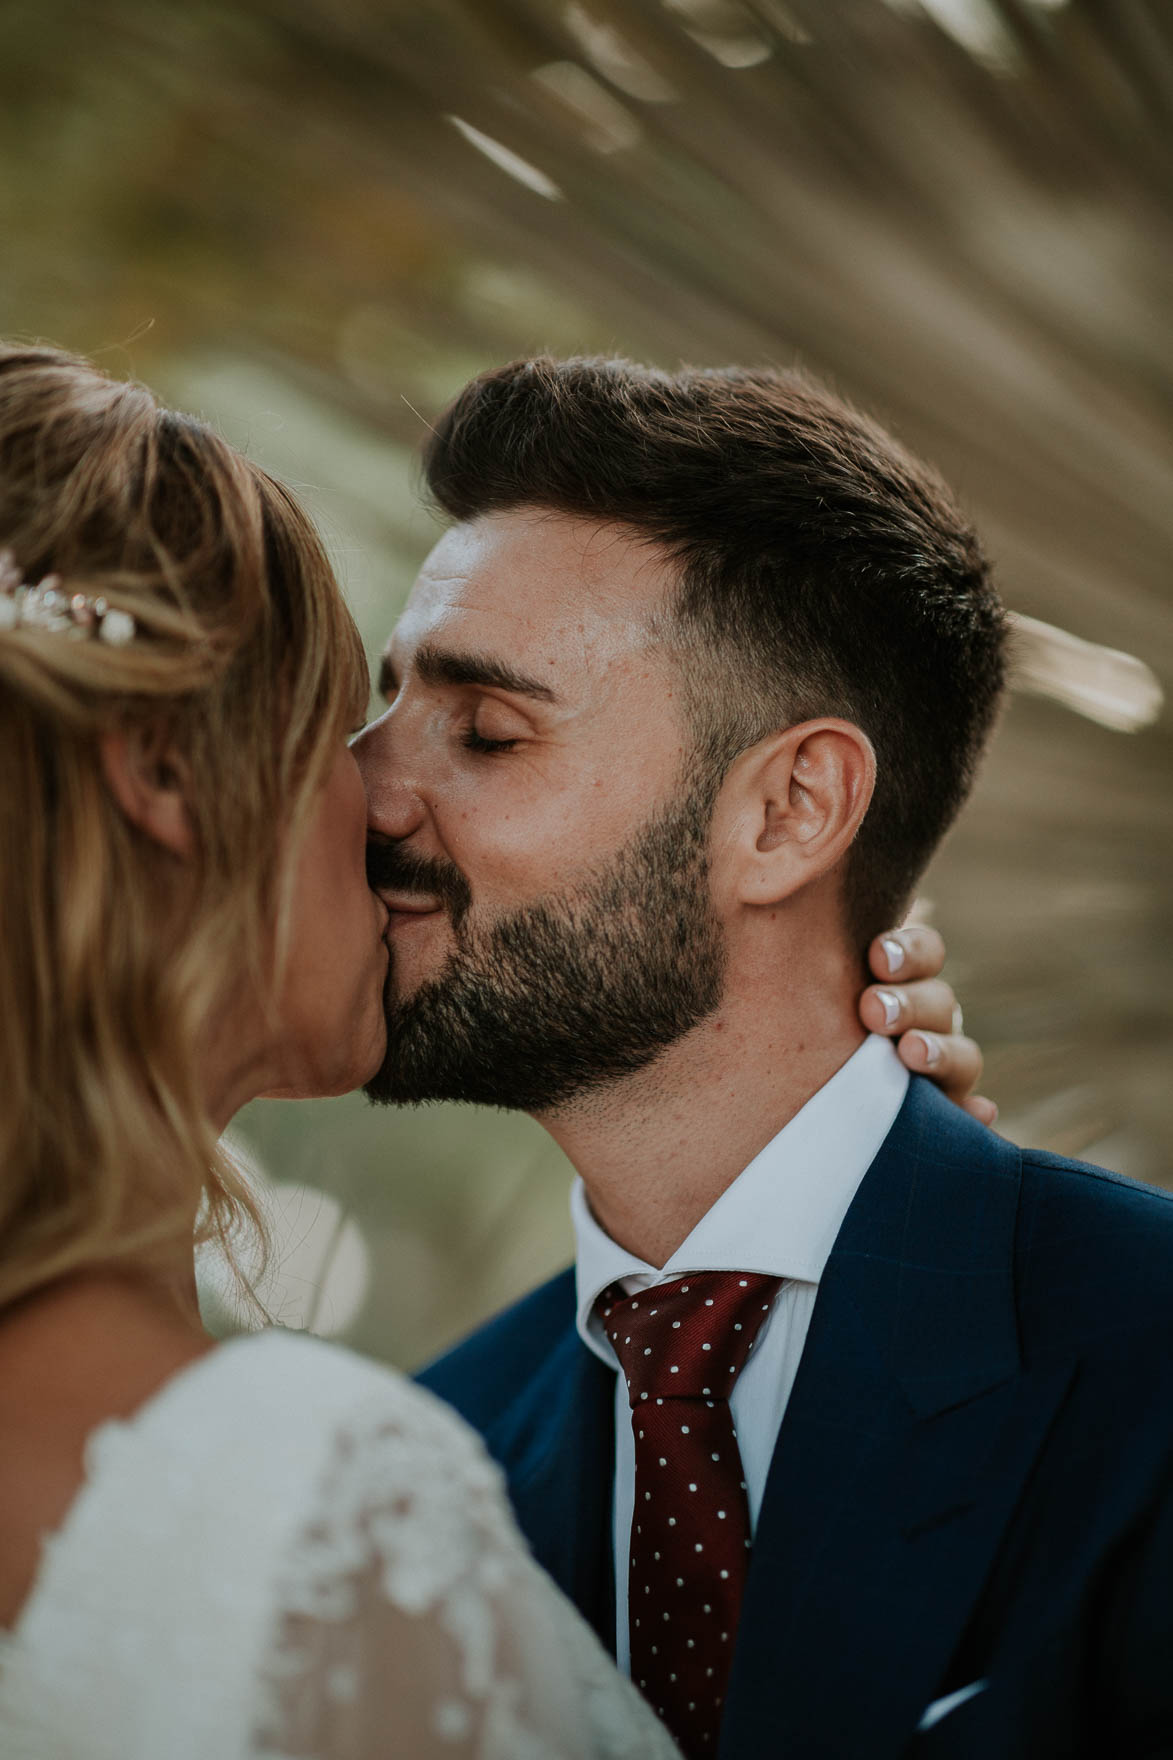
(973, 1482)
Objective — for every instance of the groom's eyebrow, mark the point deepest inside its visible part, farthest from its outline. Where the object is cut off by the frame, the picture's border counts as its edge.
(436, 665)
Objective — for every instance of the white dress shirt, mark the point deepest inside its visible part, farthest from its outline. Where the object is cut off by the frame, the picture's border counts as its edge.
(779, 1217)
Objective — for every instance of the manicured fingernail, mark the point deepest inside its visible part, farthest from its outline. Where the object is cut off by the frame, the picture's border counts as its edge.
(893, 953)
(932, 1050)
(890, 1003)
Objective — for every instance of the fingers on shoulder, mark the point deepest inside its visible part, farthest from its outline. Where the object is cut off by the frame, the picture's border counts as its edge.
(909, 953)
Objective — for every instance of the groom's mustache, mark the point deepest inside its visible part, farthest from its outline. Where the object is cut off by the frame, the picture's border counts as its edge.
(392, 868)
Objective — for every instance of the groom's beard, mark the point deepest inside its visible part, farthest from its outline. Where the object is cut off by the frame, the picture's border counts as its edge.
(568, 993)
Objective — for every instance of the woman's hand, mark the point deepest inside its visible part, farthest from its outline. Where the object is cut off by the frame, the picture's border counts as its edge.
(914, 1006)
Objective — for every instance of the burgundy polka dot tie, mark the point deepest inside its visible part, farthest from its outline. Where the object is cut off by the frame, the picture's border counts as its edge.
(681, 1347)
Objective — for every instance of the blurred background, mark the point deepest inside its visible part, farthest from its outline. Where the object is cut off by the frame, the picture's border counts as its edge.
(311, 220)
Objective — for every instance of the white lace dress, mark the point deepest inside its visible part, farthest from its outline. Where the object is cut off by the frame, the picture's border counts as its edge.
(290, 1552)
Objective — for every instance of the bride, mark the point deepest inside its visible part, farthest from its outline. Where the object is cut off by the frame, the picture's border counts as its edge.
(270, 1548)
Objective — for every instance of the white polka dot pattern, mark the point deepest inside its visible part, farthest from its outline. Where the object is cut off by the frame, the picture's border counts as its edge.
(689, 1550)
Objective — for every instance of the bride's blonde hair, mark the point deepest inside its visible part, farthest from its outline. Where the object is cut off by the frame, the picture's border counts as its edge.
(246, 655)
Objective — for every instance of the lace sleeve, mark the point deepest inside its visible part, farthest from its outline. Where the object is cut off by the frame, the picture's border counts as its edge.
(413, 1624)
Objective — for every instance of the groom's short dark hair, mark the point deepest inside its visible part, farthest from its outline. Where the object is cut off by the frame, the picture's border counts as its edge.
(823, 570)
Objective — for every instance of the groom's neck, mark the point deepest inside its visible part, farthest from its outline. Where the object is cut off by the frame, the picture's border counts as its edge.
(657, 1150)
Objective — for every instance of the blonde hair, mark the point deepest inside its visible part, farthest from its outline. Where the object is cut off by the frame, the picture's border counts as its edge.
(246, 654)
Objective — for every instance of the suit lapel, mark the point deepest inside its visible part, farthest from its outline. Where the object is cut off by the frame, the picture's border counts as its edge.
(557, 1445)
(909, 1434)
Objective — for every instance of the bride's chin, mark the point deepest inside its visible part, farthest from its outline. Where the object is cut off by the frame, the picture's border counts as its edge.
(322, 1075)
(420, 945)
(362, 1069)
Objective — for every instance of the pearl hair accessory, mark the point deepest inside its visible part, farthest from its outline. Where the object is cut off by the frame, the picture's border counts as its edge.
(46, 607)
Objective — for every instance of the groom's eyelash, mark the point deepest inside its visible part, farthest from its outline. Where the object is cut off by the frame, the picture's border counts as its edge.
(473, 741)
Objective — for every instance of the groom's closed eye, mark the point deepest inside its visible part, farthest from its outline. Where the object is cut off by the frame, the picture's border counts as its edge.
(475, 741)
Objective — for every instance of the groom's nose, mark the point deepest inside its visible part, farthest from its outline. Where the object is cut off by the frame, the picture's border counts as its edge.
(394, 805)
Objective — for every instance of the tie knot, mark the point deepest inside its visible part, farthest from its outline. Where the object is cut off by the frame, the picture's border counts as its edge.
(689, 1339)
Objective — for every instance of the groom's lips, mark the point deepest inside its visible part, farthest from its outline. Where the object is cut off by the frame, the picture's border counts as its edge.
(406, 907)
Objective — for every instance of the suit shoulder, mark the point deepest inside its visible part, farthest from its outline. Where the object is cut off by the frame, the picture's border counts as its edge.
(1096, 1190)
(1096, 1239)
(482, 1373)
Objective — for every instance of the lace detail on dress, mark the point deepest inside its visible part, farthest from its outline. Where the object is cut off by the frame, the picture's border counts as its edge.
(413, 1622)
(290, 1552)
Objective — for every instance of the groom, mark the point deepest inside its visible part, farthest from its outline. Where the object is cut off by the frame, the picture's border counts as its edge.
(852, 1431)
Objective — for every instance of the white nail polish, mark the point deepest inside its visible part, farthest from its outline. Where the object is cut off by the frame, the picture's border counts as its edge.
(893, 952)
(932, 1050)
(890, 1003)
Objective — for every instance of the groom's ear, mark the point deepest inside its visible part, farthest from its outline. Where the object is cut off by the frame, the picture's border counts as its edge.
(788, 810)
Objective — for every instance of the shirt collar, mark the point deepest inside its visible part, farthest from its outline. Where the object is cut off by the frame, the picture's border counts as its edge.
(781, 1215)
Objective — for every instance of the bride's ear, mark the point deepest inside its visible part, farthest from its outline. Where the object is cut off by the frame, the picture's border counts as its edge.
(150, 781)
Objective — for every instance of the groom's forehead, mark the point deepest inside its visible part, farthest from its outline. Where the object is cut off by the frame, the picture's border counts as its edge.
(527, 579)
